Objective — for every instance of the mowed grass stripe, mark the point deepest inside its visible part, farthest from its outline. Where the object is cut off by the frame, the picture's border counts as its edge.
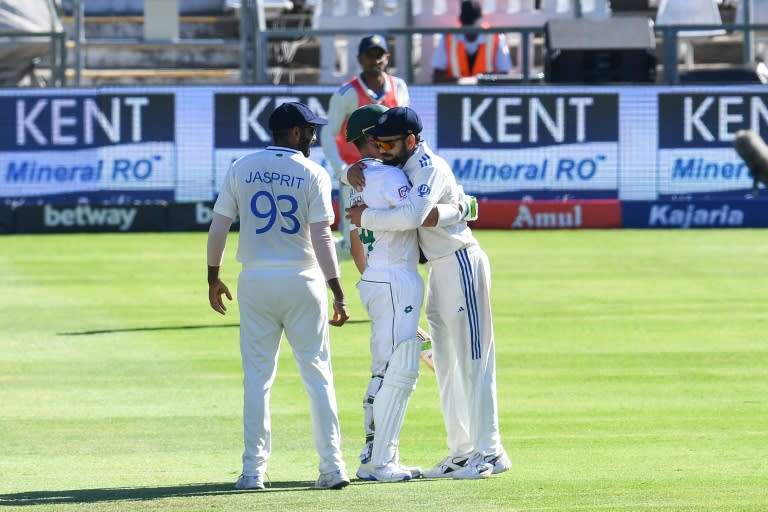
(632, 369)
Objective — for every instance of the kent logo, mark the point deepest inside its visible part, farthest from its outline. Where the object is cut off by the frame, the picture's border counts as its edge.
(709, 120)
(528, 120)
(73, 122)
(242, 120)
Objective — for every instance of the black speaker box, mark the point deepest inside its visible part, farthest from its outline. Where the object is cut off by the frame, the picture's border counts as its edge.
(616, 50)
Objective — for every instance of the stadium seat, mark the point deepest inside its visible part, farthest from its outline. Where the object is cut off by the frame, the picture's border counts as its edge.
(690, 12)
(759, 15)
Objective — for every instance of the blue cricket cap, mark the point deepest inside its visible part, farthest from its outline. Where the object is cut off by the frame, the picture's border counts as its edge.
(397, 121)
(372, 41)
(293, 114)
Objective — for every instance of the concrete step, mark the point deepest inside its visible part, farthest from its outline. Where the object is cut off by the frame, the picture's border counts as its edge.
(155, 76)
(134, 53)
(276, 75)
(132, 27)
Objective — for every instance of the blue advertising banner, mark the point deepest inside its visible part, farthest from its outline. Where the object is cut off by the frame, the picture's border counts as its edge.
(532, 146)
(666, 152)
(694, 214)
(696, 158)
(241, 124)
(87, 147)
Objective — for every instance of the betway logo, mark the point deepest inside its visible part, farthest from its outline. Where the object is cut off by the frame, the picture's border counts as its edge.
(547, 219)
(203, 214)
(87, 216)
(691, 216)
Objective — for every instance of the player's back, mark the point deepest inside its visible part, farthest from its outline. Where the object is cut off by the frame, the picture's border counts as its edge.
(279, 193)
(386, 187)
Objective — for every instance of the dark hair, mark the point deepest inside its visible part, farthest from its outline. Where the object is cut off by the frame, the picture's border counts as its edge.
(471, 11)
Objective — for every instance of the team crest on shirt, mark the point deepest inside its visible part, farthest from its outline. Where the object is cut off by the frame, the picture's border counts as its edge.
(423, 190)
(403, 191)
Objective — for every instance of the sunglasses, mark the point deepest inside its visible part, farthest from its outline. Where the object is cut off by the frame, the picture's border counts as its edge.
(388, 145)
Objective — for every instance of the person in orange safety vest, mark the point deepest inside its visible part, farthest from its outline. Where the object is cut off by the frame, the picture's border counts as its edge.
(467, 55)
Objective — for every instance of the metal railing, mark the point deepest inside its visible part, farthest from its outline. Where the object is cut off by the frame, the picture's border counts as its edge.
(58, 52)
(255, 38)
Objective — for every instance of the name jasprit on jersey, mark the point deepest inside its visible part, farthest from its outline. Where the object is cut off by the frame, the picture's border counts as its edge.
(286, 180)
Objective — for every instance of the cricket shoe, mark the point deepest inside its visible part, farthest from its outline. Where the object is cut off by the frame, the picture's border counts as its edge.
(415, 471)
(246, 482)
(446, 467)
(391, 472)
(483, 466)
(332, 480)
(502, 463)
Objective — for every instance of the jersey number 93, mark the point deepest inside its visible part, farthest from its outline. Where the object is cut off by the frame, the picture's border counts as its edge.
(265, 206)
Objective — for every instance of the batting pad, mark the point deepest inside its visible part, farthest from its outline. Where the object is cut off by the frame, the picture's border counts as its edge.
(370, 395)
(392, 400)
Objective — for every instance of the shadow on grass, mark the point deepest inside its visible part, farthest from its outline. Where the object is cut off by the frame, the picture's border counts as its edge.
(147, 329)
(169, 328)
(139, 493)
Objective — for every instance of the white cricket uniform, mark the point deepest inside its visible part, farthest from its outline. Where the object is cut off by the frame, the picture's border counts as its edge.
(278, 193)
(390, 287)
(343, 102)
(458, 305)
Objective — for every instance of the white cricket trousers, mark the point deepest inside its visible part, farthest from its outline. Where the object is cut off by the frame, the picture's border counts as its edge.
(393, 299)
(459, 316)
(273, 301)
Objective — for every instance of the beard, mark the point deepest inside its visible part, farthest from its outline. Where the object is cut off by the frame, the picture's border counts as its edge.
(397, 159)
(305, 143)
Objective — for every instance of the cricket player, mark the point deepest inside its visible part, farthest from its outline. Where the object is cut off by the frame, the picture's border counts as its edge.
(286, 248)
(392, 292)
(372, 86)
(458, 299)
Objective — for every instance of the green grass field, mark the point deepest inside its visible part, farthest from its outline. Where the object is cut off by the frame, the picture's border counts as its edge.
(632, 376)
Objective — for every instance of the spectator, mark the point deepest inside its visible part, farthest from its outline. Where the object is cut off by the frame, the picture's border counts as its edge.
(468, 55)
(372, 85)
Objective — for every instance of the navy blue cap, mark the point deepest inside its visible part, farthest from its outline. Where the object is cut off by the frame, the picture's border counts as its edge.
(397, 121)
(293, 114)
(372, 41)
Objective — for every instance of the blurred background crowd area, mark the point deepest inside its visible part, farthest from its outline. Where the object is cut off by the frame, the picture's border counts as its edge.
(128, 42)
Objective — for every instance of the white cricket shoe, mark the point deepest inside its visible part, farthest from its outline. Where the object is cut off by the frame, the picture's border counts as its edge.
(446, 467)
(333, 480)
(415, 471)
(391, 472)
(502, 463)
(483, 466)
(249, 482)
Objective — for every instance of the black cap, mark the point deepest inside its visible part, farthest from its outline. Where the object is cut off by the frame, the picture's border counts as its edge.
(372, 41)
(293, 114)
(471, 11)
(397, 121)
